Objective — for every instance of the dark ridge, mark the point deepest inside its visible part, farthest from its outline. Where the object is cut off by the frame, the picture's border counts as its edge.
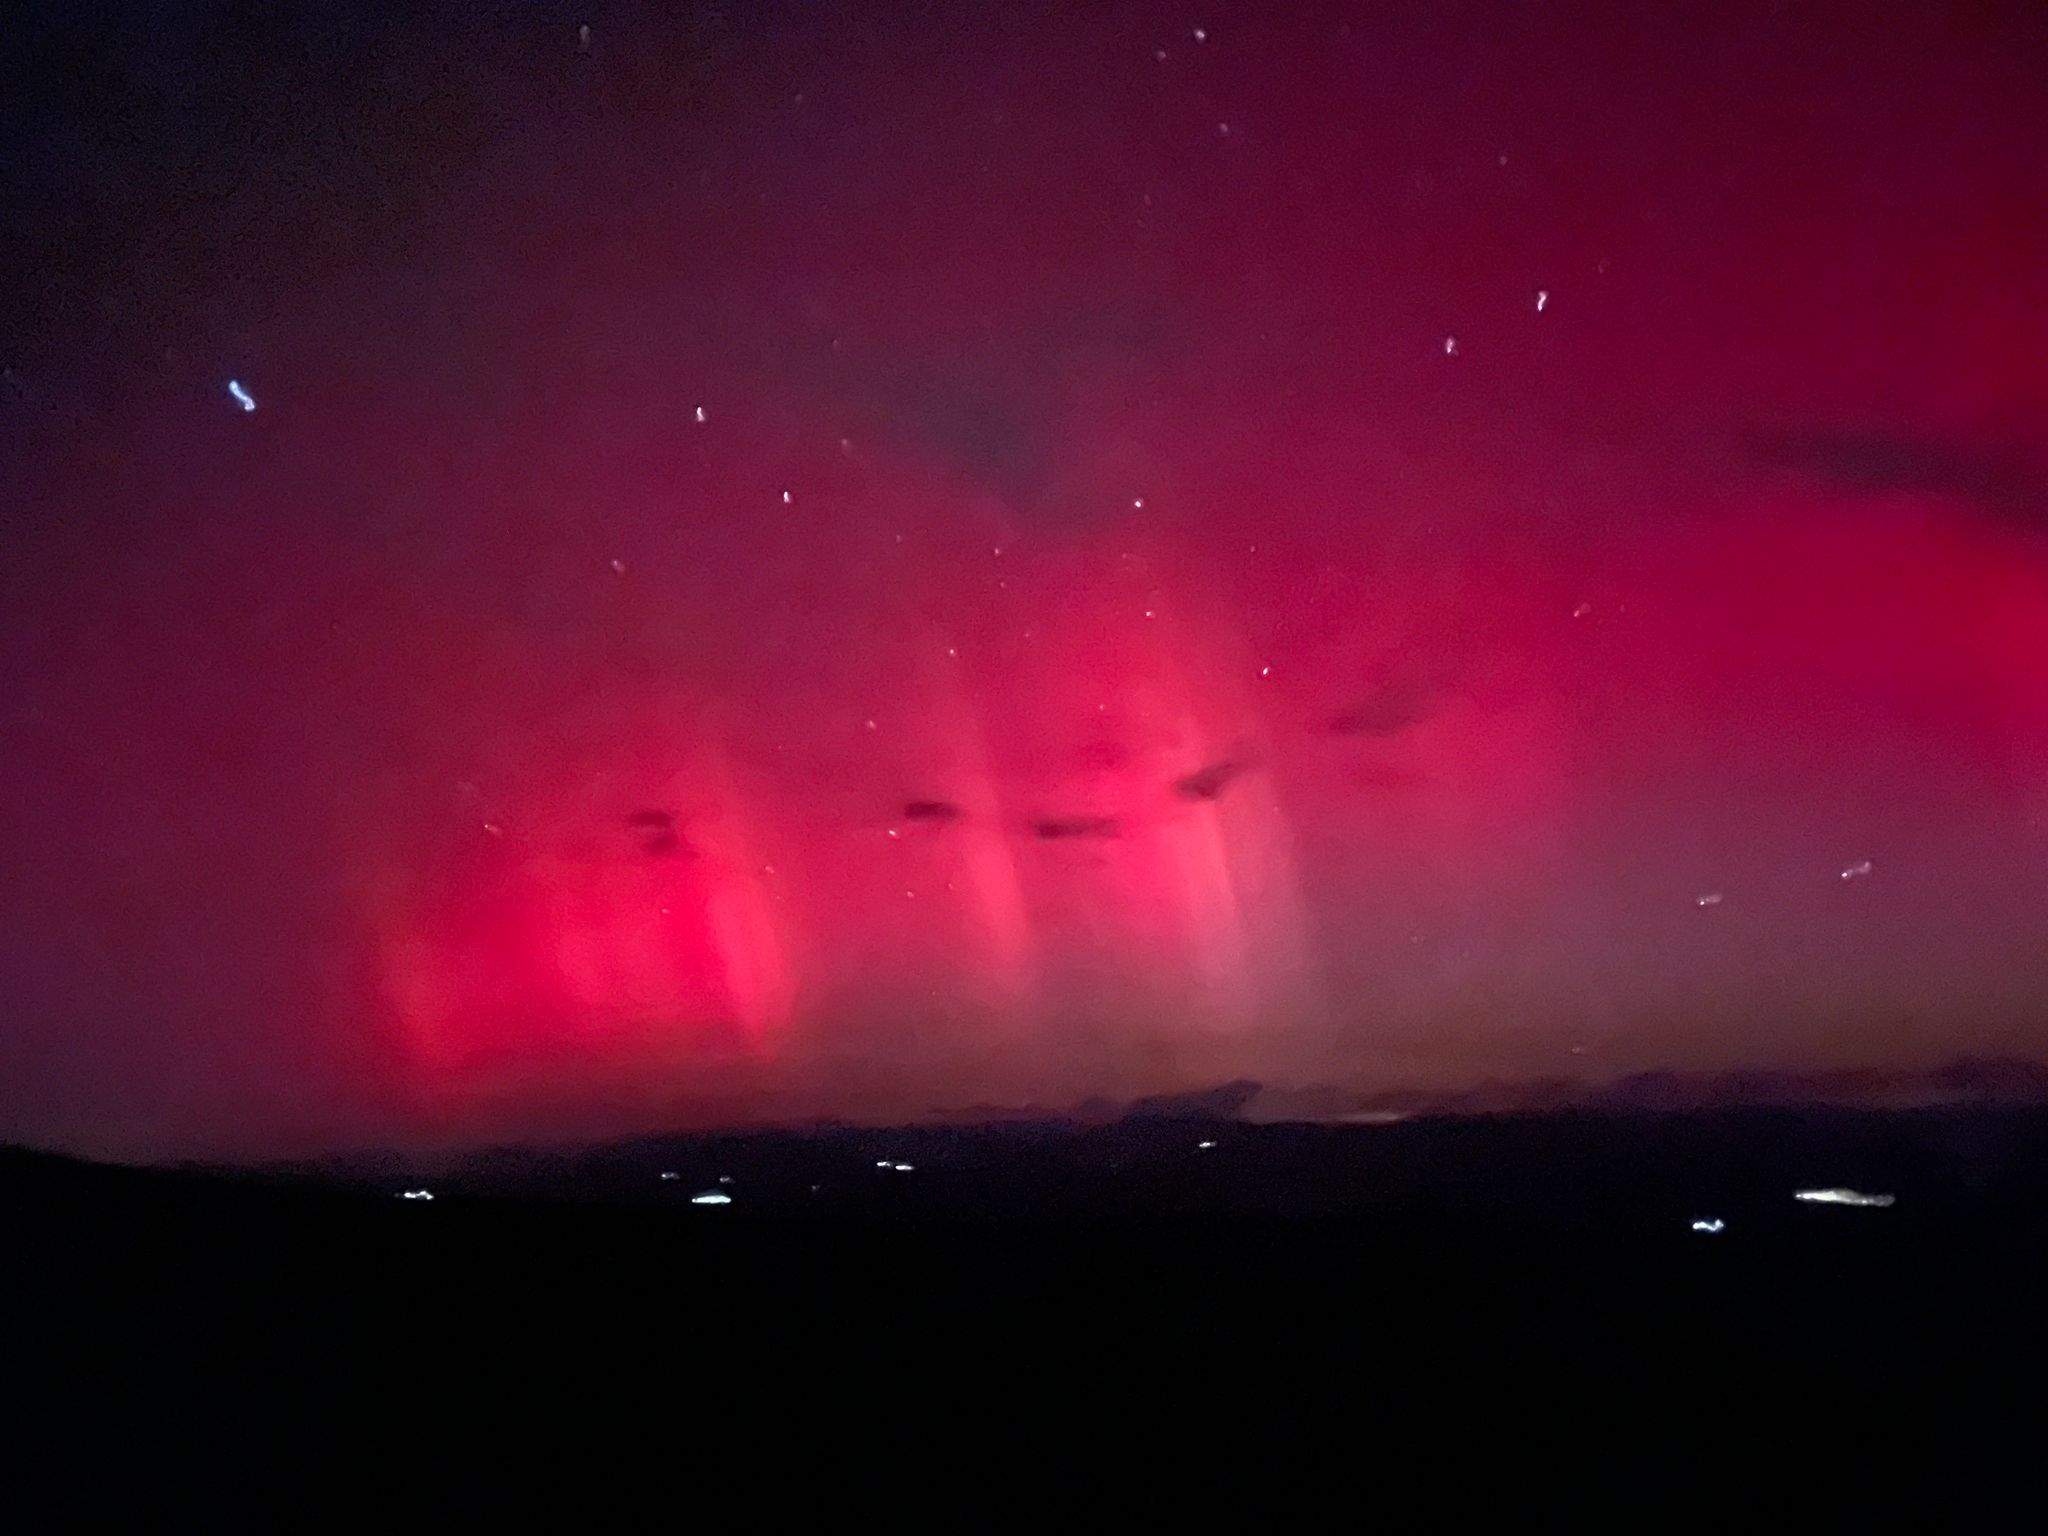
(650, 819)
(1224, 1102)
(666, 843)
(930, 810)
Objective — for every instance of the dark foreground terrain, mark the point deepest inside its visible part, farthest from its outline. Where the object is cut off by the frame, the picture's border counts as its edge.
(1100, 1325)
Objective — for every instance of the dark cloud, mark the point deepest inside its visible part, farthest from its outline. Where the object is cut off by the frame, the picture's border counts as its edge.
(987, 428)
(1401, 701)
(1881, 459)
(1385, 776)
(1103, 756)
(1052, 829)
(658, 834)
(930, 810)
(1209, 782)
(995, 408)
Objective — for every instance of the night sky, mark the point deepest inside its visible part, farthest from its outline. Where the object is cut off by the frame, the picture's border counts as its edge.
(802, 560)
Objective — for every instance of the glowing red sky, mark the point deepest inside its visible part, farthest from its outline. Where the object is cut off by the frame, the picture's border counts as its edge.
(1123, 441)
